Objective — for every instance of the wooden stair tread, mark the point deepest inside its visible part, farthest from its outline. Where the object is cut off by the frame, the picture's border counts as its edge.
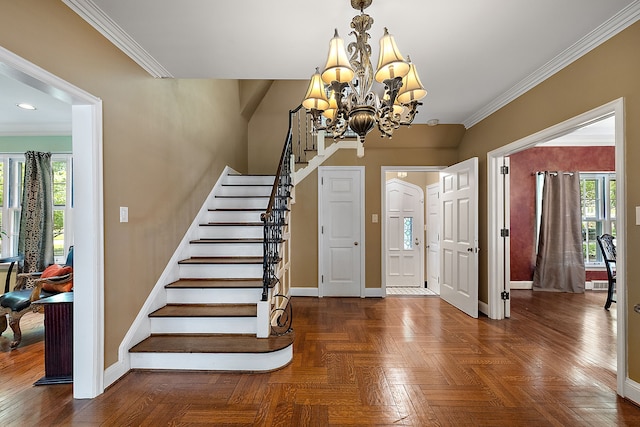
(211, 343)
(216, 284)
(222, 260)
(206, 310)
(246, 240)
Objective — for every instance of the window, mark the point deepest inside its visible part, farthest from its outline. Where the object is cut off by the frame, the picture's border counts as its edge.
(11, 179)
(408, 233)
(598, 203)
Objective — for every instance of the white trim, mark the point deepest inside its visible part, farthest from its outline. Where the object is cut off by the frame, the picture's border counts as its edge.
(494, 198)
(483, 308)
(595, 38)
(141, 326)
(632, 391)
(361, 171)
(88, 310)
(301, 174)
(374, 293)
(106, 26)
(304, 292)
(521, 284)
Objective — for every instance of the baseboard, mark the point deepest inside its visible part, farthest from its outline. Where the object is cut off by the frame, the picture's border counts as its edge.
(521, 284)
(632, 391)
(304, 292)
(373, 293)
(114, 372)
(483, 308)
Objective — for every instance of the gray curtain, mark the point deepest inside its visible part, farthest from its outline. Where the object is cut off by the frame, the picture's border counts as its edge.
(560, 262)
(35, 239)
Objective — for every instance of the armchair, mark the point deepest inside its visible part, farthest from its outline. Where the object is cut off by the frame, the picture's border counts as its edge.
(15, 304)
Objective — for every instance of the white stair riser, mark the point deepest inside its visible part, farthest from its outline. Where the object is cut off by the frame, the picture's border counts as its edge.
(225, 249)
(245, 190)
(213, 361)
(231, 232)
(213, 296)
(221, 271)
(234, 216)
(203, 325)
(241, 203)
(249, 180)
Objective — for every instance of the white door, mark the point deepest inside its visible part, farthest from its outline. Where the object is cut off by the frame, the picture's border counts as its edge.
(404, 227)
(459, 236)
(341, 239)
(433, 237)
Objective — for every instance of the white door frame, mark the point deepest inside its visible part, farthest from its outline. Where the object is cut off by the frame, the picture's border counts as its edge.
(429, 188)
(88, 307)
(495, 202)
(383, 205)
(421, 246)
(361, 172)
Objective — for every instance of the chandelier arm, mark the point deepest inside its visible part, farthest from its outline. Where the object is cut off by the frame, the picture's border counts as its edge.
(411, 114)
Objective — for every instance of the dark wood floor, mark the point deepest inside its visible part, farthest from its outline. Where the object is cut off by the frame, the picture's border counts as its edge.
(397, 361)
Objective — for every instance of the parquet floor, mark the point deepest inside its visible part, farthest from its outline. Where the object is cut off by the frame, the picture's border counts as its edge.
(403, 360)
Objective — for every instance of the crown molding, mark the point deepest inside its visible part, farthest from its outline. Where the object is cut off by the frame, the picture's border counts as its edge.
(601, 34)
(91, 13)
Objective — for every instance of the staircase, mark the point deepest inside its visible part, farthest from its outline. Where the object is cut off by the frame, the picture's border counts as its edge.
(214, 318)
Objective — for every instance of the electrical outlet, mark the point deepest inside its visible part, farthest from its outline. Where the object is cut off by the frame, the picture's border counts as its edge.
(124, 214)
(374, 218)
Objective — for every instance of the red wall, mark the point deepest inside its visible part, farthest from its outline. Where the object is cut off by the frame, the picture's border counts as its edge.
(523, 195)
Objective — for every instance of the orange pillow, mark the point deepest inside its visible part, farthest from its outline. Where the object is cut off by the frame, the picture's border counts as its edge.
(53, 271)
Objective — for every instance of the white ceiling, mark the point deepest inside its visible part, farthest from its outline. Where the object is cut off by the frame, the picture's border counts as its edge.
(473, 56)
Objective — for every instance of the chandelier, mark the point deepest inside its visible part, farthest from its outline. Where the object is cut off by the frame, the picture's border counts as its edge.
(344, 92)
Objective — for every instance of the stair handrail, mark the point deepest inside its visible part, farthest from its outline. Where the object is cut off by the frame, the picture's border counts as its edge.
(274, 216)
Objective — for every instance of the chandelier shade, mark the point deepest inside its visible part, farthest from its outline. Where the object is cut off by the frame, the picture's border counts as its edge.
(412, 89)
(316, 98)
(391, 64)
(338, 68)
(348, 78)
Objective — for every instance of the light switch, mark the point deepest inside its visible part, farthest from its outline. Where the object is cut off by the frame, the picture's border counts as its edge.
(637, 215)
(124, 214)
(374, 218)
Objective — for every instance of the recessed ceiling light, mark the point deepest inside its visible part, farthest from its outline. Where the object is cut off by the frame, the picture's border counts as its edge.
(433, 122)
(26, 106)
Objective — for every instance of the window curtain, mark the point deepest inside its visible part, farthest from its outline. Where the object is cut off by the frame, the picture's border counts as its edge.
(560, 261)
(35, 239)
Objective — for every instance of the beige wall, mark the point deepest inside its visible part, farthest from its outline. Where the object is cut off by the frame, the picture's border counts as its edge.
(165, 145)
(609, 72)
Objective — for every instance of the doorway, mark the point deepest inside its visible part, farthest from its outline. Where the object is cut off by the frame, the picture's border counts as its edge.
(86, 111)
(499, 218)
(418, 176)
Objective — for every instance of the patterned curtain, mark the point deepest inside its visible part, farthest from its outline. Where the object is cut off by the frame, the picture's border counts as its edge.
(35, 240)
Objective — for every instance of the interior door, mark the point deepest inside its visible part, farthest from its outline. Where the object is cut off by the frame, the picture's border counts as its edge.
(433, 238)
(404, 228)
(341, 202)
(459, 236)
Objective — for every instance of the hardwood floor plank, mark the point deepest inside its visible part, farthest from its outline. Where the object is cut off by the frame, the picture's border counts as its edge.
(396, 361)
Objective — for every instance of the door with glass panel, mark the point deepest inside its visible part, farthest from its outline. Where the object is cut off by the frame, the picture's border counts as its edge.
(404, 234)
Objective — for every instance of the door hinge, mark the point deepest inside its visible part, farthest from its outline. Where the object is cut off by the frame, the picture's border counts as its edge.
(322, 181)
(504, 170)
(322, 278)
(322, 229)
(504, 295)
(504, 232)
